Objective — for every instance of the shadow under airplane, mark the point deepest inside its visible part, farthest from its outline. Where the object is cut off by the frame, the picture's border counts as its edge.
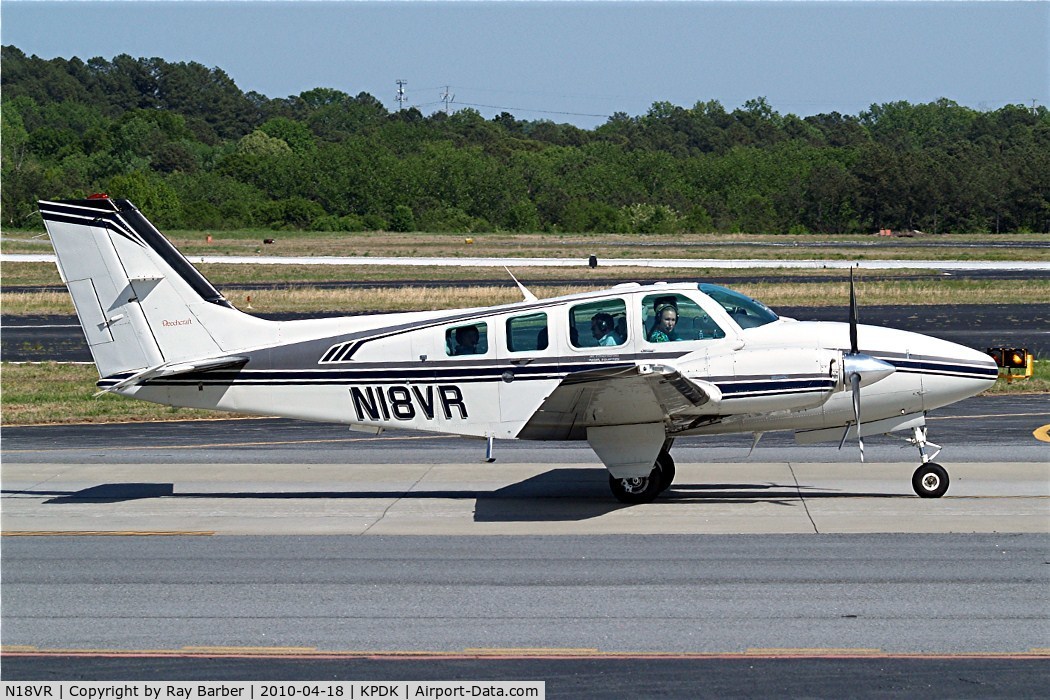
(559, 495)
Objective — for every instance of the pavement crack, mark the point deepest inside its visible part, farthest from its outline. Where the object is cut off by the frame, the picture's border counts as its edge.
(382, 516)
(798, 489)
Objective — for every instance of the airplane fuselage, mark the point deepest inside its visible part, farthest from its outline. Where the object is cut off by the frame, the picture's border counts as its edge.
(403, 371)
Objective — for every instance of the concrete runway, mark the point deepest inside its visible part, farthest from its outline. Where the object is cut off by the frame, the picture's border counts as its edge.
(513, 499)
(281, 477)
(274, 549)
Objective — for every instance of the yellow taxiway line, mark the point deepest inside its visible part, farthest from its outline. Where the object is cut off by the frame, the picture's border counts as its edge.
(109, 533)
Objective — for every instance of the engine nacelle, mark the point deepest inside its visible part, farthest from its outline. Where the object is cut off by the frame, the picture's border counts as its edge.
(774, 379)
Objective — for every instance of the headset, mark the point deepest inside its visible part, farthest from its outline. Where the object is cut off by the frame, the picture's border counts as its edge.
(603, 322)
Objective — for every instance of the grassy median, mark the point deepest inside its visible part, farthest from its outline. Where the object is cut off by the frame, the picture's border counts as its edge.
(582, 245)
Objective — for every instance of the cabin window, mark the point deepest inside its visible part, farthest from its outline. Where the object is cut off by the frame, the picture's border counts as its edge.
(747, 312)
(471, 339)
(527, 333)
(673, 317)
(598, 324)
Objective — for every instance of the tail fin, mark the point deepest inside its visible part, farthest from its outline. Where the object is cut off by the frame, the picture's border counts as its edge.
(141, 303)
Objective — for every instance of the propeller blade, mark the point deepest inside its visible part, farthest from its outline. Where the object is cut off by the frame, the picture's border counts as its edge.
(852, 316)
(855, 383)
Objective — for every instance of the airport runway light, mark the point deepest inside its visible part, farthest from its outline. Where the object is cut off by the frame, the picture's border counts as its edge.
(1016, 357)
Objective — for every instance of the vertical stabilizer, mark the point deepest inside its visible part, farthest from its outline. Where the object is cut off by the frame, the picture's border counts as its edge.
(140, 302)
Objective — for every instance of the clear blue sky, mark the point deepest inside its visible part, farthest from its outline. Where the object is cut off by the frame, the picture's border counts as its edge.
(541, 60)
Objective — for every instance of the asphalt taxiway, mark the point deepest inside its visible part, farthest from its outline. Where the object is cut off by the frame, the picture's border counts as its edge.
(950, 616)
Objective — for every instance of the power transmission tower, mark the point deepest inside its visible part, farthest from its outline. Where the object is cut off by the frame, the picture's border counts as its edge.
(448, 100)
(401, 94)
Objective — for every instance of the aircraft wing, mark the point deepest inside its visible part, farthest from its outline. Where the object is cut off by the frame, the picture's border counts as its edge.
(622, 395)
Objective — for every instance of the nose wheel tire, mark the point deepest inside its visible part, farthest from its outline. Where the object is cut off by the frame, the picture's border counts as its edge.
(930, 480)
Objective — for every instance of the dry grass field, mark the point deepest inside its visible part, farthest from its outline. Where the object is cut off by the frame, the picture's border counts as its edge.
(352, 300)
(582, 245)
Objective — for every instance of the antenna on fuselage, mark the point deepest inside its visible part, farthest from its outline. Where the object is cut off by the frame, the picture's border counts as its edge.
(529, 296)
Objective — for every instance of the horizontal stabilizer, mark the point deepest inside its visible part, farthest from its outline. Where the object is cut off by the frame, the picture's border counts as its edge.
(170, 369)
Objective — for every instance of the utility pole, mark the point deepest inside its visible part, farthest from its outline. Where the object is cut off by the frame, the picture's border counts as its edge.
(447, 99)
(401, 94)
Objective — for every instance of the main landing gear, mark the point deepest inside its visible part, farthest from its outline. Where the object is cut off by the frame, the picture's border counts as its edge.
(645, 488)
(930, 480)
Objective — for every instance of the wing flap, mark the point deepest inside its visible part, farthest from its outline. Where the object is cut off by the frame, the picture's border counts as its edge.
(622, 395)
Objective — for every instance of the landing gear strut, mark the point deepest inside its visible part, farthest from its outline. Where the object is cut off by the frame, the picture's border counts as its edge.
(930, 480)
(644, 489)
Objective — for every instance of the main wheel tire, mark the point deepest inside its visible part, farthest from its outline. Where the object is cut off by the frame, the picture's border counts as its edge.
(930, 480)
(666, 466)
(641, 489)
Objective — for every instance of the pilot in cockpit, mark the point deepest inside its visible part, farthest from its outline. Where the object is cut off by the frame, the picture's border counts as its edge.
(664, 325)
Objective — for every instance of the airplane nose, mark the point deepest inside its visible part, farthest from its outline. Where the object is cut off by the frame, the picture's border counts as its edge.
(953, 372)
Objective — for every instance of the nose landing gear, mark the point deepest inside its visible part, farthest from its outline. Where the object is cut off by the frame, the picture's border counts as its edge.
(930, 480)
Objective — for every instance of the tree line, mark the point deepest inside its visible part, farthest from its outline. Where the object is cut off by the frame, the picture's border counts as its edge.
(194, 151)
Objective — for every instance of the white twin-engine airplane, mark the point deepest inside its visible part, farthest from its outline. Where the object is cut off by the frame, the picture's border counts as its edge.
(627, 369)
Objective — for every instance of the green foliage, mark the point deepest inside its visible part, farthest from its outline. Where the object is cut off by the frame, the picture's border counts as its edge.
(262, 145)
(403, 219)
(150, 193)
(190, 148)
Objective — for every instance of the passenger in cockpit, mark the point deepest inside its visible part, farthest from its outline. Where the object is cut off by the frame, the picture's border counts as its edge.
(602, 329)
(467, 340)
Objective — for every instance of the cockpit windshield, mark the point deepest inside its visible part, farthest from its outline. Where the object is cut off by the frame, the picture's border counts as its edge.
(747, 312)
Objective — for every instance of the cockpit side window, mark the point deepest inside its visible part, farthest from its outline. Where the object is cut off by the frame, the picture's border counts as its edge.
(673, 317)
(598, 324)
(747, 312)
(467, 340)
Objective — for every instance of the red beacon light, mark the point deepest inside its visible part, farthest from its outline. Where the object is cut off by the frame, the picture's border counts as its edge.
(98, 195)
